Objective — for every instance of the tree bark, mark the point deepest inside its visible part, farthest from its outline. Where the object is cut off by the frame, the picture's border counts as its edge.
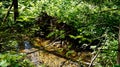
(15, 3)
(118, 54)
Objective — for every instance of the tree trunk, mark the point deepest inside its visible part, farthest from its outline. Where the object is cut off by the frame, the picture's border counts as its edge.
(118, 55)
(15, 3)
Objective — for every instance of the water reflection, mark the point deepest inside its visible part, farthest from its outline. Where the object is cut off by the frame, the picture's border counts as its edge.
(27, 45)
(33, 56)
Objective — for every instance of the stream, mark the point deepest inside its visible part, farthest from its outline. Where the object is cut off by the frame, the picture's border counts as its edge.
(41, 57)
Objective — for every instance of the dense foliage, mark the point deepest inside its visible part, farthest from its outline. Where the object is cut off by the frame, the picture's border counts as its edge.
(92, 20)
(11, 59)
(84, 23)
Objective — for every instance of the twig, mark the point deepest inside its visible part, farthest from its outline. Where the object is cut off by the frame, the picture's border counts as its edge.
(97, 54)
(62, 63)
(94, 58)
(9, 8)
(110, 10)
(91, 63)
(54, 40)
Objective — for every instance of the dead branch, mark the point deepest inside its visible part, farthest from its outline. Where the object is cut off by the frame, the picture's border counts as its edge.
(117, 9)
(9, 8)
(94, 59)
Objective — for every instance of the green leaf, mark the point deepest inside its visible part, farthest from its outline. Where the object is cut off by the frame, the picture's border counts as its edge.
(69, 52)
(116, 65)
(50, 34)
(71, 36)
(0, 4)
(79, 36)
(4, 63)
